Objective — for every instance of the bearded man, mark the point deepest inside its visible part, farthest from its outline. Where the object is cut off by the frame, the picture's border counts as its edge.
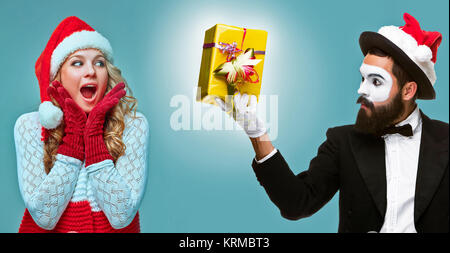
(391, 166)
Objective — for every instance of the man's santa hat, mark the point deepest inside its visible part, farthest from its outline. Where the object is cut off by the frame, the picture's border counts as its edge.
(70, 35)
(412, 48)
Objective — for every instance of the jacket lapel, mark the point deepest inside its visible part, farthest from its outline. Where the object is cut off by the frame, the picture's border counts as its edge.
(369, 155)
(433, 159)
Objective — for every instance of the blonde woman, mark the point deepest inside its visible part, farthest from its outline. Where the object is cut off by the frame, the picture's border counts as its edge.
(82, 159)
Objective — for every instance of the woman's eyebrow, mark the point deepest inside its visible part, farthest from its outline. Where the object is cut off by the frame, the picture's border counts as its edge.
(377, 75)
(99, 55)
(76, 55)
(81, 56)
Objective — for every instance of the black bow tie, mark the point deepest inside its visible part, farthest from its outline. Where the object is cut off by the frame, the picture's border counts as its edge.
(405, 130)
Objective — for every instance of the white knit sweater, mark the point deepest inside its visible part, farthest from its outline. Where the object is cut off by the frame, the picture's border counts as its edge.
(117, 190)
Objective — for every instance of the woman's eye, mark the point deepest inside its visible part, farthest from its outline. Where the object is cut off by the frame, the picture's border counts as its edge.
(76, 63)
(100, 63)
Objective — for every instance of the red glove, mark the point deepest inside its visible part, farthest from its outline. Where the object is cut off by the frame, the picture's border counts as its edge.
(75, 120)
(96, 150)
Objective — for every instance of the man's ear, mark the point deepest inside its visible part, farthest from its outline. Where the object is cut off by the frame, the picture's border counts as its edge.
(409, 90)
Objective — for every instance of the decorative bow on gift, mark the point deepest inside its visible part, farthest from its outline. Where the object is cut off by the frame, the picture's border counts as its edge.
(230, 49)
(240, 69)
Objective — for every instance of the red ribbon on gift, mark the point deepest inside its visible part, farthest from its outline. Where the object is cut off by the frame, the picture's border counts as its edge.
(230, 49)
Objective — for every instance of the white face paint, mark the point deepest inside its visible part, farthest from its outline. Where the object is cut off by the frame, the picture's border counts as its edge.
(376, 83)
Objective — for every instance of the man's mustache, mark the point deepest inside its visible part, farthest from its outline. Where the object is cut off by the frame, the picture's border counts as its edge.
(364, 101)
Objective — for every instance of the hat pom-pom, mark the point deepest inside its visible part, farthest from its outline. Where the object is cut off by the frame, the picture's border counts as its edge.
(50, 116)
(423, 53)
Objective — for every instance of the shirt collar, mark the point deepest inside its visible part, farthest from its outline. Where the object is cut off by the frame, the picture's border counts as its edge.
(414, 119)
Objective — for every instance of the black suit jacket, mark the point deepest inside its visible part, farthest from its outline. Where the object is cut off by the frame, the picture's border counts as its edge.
(354, 164)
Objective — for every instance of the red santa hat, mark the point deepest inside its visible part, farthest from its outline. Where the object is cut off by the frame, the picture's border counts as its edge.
(412, 48)
(70, 35)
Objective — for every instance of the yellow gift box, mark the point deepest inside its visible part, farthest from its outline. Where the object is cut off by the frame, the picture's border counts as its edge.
(226, 44)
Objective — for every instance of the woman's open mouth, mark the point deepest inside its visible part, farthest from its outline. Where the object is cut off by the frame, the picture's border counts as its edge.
(88, 91)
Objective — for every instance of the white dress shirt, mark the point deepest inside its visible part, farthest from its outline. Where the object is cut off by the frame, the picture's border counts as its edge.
(402, 159)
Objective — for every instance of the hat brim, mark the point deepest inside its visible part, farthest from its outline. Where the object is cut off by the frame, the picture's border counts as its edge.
(369, 40)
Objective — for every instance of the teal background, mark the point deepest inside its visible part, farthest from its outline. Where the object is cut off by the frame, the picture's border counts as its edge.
(202, 181)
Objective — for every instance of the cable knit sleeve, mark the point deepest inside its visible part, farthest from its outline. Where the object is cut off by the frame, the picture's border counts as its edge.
(119, 189)
(46, 196)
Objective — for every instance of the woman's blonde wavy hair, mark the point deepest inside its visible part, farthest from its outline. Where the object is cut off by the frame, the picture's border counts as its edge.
(114, 122)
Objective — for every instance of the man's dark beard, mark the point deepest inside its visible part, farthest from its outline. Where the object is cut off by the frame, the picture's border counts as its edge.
(381, 118)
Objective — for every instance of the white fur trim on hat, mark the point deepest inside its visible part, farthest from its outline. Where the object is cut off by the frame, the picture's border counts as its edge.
(50, 115)
(423, 53)
(77, 41)
(419, 54)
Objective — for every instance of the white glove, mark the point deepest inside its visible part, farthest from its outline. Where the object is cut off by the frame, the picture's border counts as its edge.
(244, 114)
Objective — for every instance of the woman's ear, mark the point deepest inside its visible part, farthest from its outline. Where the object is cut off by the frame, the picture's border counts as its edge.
(409, 90)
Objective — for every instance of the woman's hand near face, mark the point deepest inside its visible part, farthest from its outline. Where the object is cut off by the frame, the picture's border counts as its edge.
(75, 120)
(96, 117)
(96, 150)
